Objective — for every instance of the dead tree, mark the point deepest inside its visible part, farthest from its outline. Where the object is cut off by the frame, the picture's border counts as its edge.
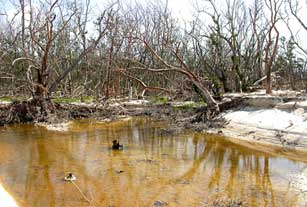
(42, 35)
(272, 43)
(102, 24)
(294, 8)
(258, 31)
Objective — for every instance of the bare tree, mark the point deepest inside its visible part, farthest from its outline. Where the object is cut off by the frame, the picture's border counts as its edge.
(42, 35)
(210, 46)
(22, 8)
(271, 47)
(258, 31)
(237, 27)
(102, 25)
(295, 8)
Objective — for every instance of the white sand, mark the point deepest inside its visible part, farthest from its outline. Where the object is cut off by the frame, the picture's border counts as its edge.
(118, 103)
(5, 102)
(285, 128)
(83, 104)
(135, 102)
(275, 119)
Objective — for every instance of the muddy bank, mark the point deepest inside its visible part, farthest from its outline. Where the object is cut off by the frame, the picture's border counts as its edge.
(110, 110)
(279, 120)
(27, 112)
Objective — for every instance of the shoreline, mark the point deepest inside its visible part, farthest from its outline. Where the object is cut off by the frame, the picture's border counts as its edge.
(273, 120)
(279, 120)
(267, 143)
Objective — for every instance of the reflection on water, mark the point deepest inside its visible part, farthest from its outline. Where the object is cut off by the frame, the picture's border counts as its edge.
(186, 170)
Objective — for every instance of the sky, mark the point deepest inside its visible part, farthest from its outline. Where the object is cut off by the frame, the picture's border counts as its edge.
(183, 10)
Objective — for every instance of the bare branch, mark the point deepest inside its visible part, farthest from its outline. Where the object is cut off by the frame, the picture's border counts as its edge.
(22, 58)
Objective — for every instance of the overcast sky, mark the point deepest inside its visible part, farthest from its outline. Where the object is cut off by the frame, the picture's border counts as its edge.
(183, 10)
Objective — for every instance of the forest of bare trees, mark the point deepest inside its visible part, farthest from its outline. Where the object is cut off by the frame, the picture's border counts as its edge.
(70, 48)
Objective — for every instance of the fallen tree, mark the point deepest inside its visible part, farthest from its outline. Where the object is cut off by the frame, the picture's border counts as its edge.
(212, 108)
(201, 89)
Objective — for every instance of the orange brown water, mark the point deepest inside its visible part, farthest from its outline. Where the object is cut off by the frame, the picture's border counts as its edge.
(189, 169)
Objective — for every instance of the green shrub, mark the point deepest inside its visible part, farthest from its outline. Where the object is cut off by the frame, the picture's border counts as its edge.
(66, 100)
(185, 107)
(159, 100)
(189, 106)
(6, 98)
(87, 99)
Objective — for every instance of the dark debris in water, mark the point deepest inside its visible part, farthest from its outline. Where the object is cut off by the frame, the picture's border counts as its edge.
(160, 204)
(227, 203)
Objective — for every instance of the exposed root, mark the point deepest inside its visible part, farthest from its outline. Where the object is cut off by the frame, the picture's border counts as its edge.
(34, 110)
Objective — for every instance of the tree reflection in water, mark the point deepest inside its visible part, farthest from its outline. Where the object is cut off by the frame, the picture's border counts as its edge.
(183, 170)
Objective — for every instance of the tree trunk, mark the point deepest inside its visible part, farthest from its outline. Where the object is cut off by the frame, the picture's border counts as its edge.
(268, 87)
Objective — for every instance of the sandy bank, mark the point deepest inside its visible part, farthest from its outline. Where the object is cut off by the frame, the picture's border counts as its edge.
(284, 125)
